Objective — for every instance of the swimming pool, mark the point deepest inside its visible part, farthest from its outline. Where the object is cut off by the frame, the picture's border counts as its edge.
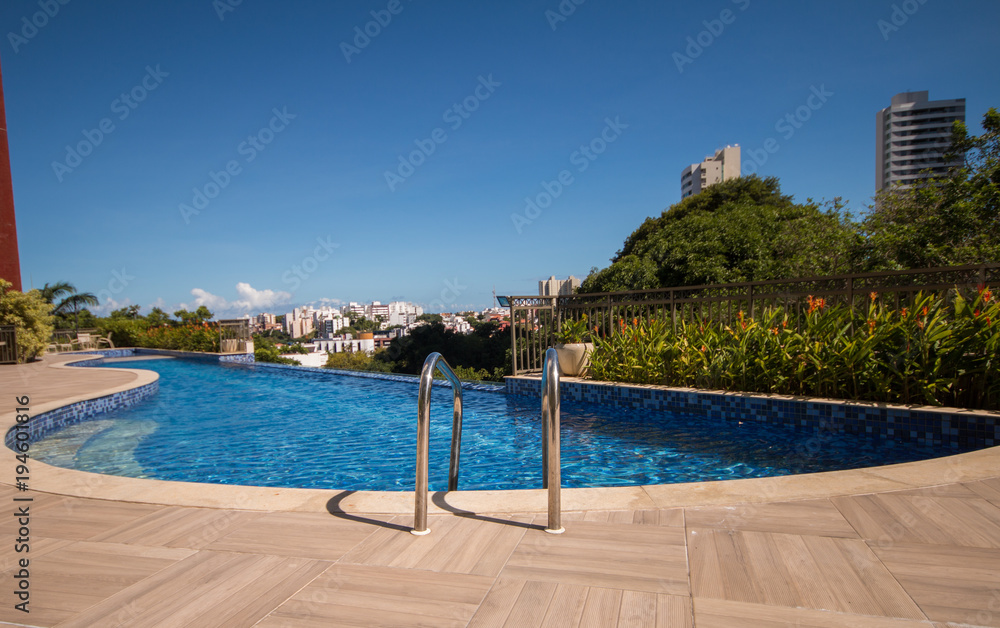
(253, 425)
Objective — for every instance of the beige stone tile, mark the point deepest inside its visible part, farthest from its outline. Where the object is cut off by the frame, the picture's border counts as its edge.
(362, 595)
(812, 517)
(711, 613)
(635, 557)
(956, 584)
(786, 570)
(295, 534)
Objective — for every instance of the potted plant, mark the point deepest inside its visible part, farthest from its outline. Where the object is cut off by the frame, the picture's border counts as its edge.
(573, 346)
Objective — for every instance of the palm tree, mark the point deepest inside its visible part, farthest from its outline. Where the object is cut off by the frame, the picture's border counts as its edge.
(56, 290)
(74, 301)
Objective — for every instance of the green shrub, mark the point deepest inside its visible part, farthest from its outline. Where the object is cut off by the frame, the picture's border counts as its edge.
(202, 337)
(30, 315)
(124, 332)
(933, 352)
(357, 361)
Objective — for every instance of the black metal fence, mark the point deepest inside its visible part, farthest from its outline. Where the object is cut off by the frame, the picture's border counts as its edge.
(8, 344)
(535, 319)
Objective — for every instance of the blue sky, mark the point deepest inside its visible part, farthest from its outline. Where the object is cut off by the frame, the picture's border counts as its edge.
(236, 152)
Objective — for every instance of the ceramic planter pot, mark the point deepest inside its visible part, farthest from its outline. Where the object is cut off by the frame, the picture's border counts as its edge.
(574, 358)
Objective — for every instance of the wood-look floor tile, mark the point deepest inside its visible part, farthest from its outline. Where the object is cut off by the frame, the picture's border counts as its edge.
(362, 595)
(38, 547)
(814, 517)
(712, 613)
(888, 518)
(640, 558)
(787, 570)
(302, 534)
(206, 589)
(958, 584)
(455, 544)
(71, 578)
(987, 489)
(943, 490)
(515, 603)
(176, 526)
(666, 517)
(82, 519)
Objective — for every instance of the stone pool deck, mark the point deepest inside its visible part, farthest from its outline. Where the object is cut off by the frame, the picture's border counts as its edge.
(907, 545)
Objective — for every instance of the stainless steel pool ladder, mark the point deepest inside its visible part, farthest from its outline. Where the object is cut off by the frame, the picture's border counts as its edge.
(551, 466)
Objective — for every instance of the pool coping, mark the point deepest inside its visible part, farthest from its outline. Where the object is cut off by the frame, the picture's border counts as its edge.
(977, 465)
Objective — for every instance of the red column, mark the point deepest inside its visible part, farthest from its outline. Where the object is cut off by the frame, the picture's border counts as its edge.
(10, 264)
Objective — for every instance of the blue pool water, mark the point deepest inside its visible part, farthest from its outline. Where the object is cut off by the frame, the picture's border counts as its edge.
(261, 426)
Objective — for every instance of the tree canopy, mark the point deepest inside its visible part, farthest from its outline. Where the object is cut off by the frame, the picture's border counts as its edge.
(944, 222)
(740, 230)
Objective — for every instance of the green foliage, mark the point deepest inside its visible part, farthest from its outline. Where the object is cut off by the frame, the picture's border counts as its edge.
(573, 331)
(739, 230)
(30, 314)
(202, 337)
(357, 361)
(949, 221)
(124, 332)
(129, 311)
(484, 349)
(201, 315)
(158, 317)
(431, 318)
(933, 352)
(264, 350)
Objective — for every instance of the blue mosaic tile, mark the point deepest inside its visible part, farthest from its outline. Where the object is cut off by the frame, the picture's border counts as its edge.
(966, 429)
(48, 422)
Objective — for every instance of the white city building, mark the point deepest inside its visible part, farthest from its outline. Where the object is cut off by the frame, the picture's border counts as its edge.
(912, 135)
(725, 165)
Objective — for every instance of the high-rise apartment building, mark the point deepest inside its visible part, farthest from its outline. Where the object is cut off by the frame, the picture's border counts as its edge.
(555, 287)
(912, 135)
(725, 165)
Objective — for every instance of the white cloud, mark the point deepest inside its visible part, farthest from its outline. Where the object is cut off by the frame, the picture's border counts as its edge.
(251, 301)
(109, 306)
(259, 299)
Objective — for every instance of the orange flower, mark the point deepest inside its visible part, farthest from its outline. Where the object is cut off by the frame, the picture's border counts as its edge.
(704, 348)
(774, 330)
(871, 326)
(923, 312)
(904, 312)
(873, 296)
(635, 322)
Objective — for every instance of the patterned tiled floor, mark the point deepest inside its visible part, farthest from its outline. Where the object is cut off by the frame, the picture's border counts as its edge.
(913, 557)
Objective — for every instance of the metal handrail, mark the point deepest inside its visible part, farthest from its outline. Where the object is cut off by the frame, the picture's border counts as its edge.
(434, 360)
(551, 460)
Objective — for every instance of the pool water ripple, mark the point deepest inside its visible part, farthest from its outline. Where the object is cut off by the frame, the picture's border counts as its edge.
(253, 425)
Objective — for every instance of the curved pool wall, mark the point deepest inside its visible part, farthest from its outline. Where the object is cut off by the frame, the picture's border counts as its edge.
(925, 425)
(954, 428)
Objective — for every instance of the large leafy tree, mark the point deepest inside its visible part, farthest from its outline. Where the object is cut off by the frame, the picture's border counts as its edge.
(947, 221)
(29, 313)
(739, 230)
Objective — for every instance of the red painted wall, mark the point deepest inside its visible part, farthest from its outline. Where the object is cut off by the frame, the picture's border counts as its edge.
(10, 263)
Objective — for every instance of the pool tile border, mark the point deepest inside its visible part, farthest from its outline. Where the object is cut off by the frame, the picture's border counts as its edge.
(949, 427)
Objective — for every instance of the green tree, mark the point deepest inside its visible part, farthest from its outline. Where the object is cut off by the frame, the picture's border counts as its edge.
(130, 312)
(431, 318)
(200, 315)
(945, 221)
(739, 230)
(74, 303)
(30, 314)
(51, 292)
(158, 317)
